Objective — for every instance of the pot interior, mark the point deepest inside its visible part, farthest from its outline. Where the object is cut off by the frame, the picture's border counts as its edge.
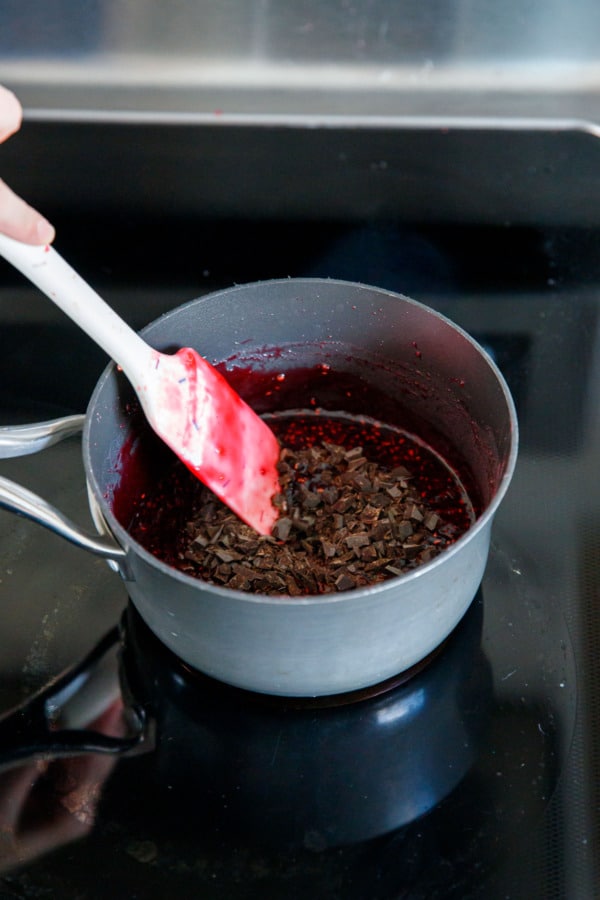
(314, 344)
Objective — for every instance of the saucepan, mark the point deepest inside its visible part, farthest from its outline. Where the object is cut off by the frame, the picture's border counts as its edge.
(411, 368)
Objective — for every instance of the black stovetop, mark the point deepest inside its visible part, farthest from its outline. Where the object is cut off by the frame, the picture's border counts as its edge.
(476, 778)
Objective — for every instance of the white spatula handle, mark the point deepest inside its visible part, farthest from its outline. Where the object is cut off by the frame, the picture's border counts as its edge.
(43, 266)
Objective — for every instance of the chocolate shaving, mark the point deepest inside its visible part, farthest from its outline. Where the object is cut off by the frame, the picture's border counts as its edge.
(345, 522)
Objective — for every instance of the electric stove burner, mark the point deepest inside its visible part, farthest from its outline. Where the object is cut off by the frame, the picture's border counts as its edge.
(285, 771)
(432, 755)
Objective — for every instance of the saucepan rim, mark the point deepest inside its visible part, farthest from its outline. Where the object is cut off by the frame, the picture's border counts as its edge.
(125, 540)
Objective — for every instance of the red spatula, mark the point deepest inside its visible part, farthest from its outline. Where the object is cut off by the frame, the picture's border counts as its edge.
(186, 401)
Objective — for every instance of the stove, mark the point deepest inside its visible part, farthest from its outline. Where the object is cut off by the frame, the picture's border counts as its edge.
(477, 776)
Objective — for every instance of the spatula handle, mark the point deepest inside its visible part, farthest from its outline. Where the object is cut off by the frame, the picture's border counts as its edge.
(45, 268)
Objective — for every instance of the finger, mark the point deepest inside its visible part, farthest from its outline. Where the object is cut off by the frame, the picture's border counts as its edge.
(20, 221)
(11, 114)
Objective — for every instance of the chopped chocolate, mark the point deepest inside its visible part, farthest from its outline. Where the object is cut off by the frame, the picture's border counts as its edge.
(313, 547)
(282, 528)
(347, 518)
(344, 582)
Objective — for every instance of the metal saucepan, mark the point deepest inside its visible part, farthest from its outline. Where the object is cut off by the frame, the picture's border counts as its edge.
(412, 368)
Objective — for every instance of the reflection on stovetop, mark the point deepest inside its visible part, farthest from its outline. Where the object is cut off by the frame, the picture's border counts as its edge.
(408, 789)
(516, 815)
(311, 773)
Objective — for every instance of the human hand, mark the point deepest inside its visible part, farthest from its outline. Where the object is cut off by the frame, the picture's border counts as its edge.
(17, 219)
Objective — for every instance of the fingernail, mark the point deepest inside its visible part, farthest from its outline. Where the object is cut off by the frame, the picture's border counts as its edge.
(45, 231)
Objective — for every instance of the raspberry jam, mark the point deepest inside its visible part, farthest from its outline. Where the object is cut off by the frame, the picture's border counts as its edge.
(161, 504)
(163, 516)
(391, 448)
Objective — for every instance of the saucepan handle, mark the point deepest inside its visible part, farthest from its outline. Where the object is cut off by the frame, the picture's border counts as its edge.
(23, 439)
(20, 440)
